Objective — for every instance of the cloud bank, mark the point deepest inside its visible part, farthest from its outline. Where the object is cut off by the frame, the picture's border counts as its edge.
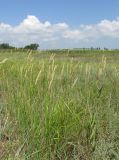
(61, 35)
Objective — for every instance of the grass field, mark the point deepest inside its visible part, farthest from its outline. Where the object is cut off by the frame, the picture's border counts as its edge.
(59, 106)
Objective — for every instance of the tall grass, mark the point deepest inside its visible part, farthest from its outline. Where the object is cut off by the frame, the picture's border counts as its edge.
(59, 110)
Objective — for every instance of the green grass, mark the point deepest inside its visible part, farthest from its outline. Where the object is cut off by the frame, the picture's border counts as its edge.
(59, 106)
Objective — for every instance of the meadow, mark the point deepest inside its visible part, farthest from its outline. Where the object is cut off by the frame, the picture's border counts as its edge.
(59, 105)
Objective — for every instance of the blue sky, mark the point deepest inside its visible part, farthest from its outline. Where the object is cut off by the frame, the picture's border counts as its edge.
(78, 17)
(73, 12)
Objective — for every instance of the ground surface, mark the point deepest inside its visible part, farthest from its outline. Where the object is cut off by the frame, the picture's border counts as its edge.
(59, 105)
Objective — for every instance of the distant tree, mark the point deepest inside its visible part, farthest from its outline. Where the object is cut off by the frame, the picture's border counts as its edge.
(32, 46)
(106, 49)
(6, 46)
(98, 48)
(92, 48)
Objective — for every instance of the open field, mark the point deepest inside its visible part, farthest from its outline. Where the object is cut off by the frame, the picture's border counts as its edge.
(59, 106)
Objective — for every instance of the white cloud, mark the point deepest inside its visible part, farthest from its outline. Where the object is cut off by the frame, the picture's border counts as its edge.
(72, 33)
(59, 35)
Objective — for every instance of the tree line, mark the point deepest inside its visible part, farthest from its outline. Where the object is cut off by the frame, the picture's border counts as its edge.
(32, 46)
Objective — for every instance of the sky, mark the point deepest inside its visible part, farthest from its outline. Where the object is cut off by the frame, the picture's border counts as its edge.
(60, 23)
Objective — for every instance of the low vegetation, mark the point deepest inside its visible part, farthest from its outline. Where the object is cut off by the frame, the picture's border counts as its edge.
(59, 106)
